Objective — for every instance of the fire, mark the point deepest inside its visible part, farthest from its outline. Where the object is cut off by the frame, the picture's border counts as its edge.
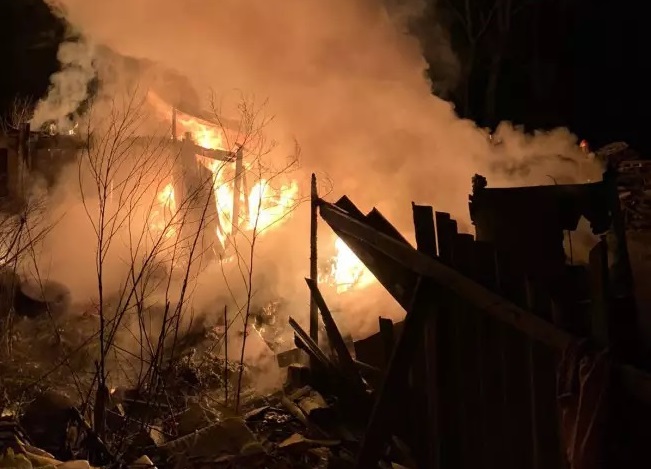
(261, 207)
(204, 135)
(162, 215)
(347, 271)
(269, 206)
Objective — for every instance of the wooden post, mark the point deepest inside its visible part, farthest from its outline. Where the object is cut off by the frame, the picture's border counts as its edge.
(237, 190)
(314, 203)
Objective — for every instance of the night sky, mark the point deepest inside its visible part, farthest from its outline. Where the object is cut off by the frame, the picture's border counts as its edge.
(594, 53)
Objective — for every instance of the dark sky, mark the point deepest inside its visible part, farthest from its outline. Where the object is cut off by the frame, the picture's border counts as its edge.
(601, 89)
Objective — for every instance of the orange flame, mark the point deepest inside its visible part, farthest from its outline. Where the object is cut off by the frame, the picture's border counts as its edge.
(267, 206)
(347, 271)
(203, 135)
(162, 214)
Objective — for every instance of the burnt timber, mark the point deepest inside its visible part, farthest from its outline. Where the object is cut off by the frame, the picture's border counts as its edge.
(473, 368)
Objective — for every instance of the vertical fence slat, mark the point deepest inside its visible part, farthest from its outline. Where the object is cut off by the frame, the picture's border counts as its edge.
(515, 368)
(542, 371)
(449, 430)
(424, 229)
(467, 343)
(427, 380)
(490, 356)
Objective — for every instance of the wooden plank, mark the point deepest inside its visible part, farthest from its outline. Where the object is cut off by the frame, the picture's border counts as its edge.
(515, 363)
(336, 340)
(444, 236)
(379, 426)
(426, 399)
(443, 364)
(493, 430)
(309, 346)
(467, 349)
(380, 223)
(546, 440)
(424, 228)
(348, 206)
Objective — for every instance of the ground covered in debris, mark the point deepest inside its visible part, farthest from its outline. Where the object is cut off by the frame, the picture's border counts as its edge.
(183, 418)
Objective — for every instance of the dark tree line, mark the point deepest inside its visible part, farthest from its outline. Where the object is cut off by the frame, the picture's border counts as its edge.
(509, 51)
(547, 63)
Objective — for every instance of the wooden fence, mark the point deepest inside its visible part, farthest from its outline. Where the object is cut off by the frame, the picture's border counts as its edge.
(471, 381)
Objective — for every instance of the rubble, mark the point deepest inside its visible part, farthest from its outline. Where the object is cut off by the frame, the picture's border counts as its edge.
(187, 423)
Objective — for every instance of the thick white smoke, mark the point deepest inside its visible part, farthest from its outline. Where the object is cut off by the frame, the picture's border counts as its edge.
(69, 86)
(343, 78)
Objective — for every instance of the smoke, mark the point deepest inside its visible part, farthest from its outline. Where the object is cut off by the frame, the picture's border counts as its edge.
(344, 78)
(69, 86)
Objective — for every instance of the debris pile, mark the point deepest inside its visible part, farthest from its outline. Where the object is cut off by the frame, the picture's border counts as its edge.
(187, 417)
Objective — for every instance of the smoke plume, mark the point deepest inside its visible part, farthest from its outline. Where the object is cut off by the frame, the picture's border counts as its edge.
(69, 86)
(343, 78)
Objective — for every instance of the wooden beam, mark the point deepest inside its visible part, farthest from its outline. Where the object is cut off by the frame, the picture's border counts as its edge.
(215, 154)
(424, 227)
(336, 340)
(310, 347)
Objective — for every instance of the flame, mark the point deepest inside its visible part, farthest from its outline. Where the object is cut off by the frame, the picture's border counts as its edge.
(204, 135)
(164, 211)
(260, 207)
(224, 196)
(347, 271)
(266, 207)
